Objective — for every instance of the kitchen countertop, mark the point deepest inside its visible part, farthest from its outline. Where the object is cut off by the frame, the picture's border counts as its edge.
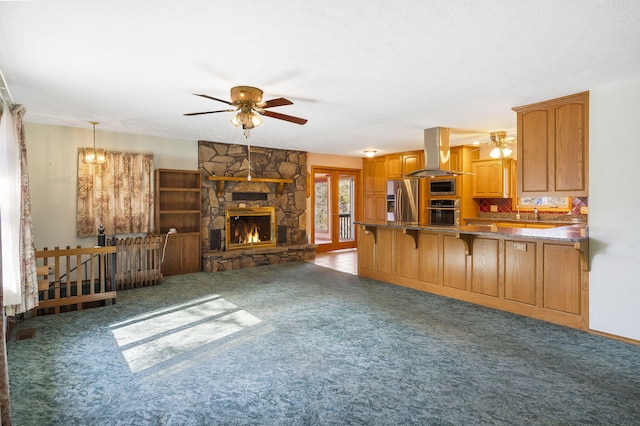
(489, 220)
(575, 232)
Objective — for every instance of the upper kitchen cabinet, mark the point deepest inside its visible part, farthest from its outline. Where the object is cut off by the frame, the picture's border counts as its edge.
(375, 188)
(553, 147)
(400, 164)
(492, 178)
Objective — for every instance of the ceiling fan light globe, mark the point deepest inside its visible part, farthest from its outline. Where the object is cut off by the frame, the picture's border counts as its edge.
(506, 151)
(256, 120)
(495, 153)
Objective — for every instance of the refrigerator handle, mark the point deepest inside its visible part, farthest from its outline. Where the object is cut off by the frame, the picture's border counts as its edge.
(399, 204)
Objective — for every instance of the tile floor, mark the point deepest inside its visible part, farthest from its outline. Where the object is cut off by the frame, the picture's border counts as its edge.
(340, 260)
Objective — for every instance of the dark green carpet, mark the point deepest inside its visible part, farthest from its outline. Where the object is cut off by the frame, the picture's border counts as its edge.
(300, 344)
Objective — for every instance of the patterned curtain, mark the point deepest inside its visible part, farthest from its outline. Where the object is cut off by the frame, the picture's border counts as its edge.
(28, 277)
(117, 194)
(28, 294)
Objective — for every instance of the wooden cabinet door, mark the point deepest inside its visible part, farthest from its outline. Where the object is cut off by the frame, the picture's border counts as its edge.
(368, 176)
(534, 145)
(520, 272)
(491, 178)
(412, 161)
(182, 254)
(190, 260)
(374, 176)
(400, 164)
(485, 266)
(454, 263)
(394, 166)
(366, 250)
(171, 262)
(406, 254)
(562, 289)
(369, 208)
(380, 174)
(375, 208)
(455, 159)
(553, 147)
(385, 250)
(429, 250)
(570, 148)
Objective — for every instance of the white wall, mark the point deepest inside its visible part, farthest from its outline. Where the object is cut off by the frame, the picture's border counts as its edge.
(52, 160)
(614, 208)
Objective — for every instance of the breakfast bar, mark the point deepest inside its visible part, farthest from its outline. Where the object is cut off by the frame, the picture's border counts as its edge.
(539, 273)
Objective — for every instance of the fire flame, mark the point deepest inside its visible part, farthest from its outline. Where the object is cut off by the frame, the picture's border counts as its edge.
(253, 236)
(250, 235)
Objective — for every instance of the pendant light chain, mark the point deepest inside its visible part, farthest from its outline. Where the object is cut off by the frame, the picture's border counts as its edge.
(249, 159)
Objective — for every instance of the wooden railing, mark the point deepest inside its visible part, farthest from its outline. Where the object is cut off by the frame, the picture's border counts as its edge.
(137, 262)
(346, 224)
(72, 279)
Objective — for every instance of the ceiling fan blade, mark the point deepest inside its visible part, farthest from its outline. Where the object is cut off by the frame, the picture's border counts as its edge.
(212, 98)
(275, 103)
(285, 117)
(209, 112)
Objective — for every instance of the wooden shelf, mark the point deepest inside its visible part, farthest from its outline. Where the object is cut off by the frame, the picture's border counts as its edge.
(222, 179)
(178, 205)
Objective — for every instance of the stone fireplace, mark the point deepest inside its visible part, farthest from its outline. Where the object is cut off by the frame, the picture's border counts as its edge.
(278, 185)
(248, 227)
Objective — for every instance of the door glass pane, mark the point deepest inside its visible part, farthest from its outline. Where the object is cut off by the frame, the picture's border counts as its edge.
(346, 207)
(322, 216)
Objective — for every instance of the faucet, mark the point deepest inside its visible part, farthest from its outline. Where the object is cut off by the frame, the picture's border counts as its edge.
(535, 213)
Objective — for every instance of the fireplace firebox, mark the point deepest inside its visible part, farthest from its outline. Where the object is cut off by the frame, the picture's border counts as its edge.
(250, 227)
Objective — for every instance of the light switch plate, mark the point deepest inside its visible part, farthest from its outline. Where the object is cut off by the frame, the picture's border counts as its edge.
(494, 208)
(584, 210)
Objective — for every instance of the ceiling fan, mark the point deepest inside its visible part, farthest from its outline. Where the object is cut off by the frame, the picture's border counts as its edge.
(247, 102)
(500, 142)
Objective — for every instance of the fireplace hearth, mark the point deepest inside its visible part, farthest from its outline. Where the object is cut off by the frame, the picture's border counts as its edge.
(248, 227)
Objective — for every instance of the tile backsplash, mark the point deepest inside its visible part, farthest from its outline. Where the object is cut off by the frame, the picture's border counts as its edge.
(505, 205)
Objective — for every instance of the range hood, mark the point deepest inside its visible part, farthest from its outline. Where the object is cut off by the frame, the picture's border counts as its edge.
(436, 155)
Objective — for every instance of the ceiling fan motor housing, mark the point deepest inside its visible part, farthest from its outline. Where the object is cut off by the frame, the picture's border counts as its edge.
(241, 94)
(497, 137)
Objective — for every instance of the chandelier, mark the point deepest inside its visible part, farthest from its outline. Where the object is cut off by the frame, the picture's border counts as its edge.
(94, 155)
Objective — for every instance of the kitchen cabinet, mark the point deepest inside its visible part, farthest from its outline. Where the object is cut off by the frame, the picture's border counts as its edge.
(375, 188)
(492, 178)
(400, 164)
(460, 159)
(178, 206)
(553, 147)
(543, 278)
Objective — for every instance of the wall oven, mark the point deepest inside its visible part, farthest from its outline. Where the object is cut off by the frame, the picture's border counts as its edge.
(444, 212)
(442, 187)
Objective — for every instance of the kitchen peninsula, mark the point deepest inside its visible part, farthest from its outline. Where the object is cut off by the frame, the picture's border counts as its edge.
(539, 273)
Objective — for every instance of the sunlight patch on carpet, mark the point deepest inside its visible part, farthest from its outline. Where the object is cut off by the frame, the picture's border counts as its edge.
(158, 337)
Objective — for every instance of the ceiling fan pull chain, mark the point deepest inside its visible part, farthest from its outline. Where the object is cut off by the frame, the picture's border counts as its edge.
(249, 160)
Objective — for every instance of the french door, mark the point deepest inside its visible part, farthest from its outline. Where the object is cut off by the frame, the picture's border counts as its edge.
(334, 202)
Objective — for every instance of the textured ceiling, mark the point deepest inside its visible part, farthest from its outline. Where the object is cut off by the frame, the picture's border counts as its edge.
(370, 73)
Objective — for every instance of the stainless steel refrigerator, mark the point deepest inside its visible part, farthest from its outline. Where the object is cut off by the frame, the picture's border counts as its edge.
(403, 200)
